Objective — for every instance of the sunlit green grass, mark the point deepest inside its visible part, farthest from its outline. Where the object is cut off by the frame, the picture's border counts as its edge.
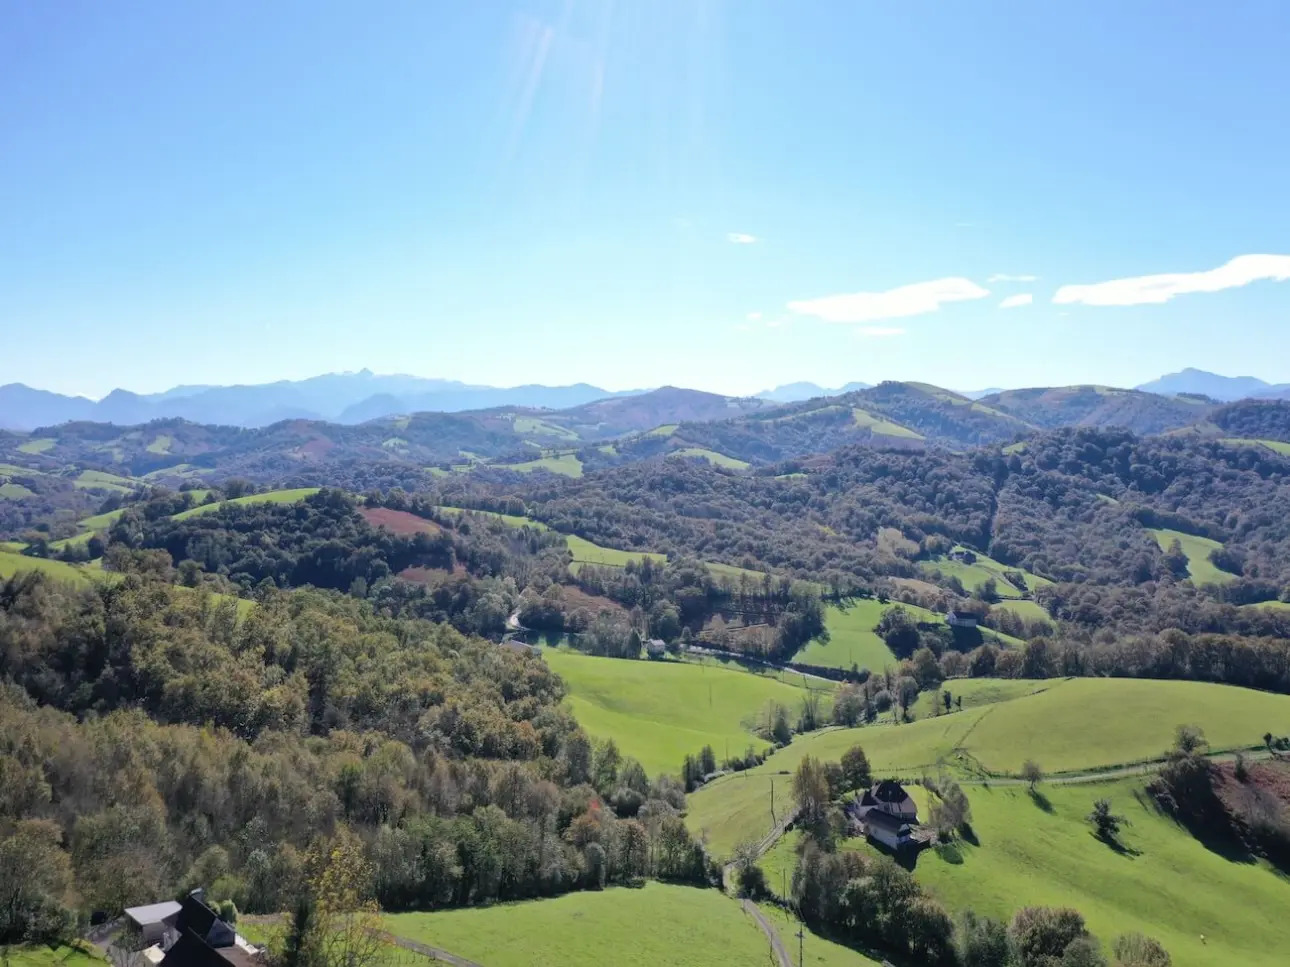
(270, 497)
(566, 464)
(36, 446)
(1199, 566)
(656, 924)
(712, 456)
(661, 711)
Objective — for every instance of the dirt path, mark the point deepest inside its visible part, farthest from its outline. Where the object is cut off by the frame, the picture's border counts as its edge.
(1137, 769)
(777, 945)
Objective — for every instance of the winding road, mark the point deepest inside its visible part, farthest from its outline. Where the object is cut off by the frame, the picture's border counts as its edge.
(768, 928)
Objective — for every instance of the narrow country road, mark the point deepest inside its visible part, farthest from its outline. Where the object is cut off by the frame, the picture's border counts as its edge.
(777, 945)
(434, 953)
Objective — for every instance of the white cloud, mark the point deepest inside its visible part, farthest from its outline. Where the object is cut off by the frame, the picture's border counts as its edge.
(1017, 301)
(880, 331)
(1005, 277)
(776, 323)
(1156, 289)
(907, 300)
(753, 316)
(740, 238)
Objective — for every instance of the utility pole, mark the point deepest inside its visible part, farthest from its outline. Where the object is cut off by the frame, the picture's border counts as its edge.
(801, 946)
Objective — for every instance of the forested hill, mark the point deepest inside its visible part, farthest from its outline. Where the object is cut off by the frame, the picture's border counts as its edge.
(1143, 413)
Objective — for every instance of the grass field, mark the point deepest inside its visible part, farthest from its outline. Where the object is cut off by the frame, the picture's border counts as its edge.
(530, 424)
(161, 444)
(712, 456)
(881, 427)
(13, 491)
(667, 429)
(1091, 723)
(38, 955)
(36, 446)
(11, 564)
(566, 464)
(982, 691)
(585, 552)
(1274, 605)
(1171, 887)
(1274, 445)
(816, 950)
(1197, 549)
(852, 640)
(270, 497)
(100, 522)
(983, 569)
(100, 480)
(1027, 609)
(1066, 725)
(657, 924)
(660, 712)
(510, 520)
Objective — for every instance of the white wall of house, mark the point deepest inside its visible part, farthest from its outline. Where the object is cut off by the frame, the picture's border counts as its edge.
(884, 836)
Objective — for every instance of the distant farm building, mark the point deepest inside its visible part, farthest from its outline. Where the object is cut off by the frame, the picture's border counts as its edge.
(189, 934)
(655, 648)
(962, 619)
(963, 555)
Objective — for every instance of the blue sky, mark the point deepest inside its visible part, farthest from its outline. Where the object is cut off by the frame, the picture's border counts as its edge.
(726, 195)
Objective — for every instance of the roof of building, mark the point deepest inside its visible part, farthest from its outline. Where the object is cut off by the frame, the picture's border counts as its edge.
(153, 912)
(957, 615)
(876, 817)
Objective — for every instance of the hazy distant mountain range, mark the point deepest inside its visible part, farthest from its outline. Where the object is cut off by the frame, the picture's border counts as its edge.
(336, 397)
(797, 392)
(354, 398)
(1223, 388)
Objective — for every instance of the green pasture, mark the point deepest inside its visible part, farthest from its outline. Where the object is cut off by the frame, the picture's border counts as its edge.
(530, 424)
(712, 456)
(585, 552)
(37, 446)
(1275, 445)
(270, 497)
(1027, 609)
(13, 491)
(1199, 566)
(654, 924)
(667, 429)
(1167, 884)
(566, 464)
(101, 480)
(39, 955)
(11, 564)
(161, 445)
(852, 640)
(882, 427)
(101, 522)
(983, 569)
(510, 520)
(1093, 723)
(661, 711)
(816, 951)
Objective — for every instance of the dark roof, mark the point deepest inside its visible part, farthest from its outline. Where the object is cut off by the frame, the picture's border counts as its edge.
(890, 790)
(876, 817)
(191, 950)
(196, 917)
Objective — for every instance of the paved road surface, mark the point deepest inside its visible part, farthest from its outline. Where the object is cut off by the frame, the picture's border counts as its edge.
(434, 953)
(777, 945)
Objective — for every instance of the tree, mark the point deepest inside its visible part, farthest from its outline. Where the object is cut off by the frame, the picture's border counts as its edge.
(988, 591)
(951, 811)
(1189, 740)
(1083, 952)
(811, 790)
(1032, 773)
(1105, 823)
(335, 922)
(35, 884)
(849, 706)
(1040, 935)
(1139, 950)
(707, 760)
(906, 693)
(981, 941)
(855, 768)
(899, 631)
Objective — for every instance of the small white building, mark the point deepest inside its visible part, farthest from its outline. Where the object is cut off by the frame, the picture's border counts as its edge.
(961, 619)
(655, 648)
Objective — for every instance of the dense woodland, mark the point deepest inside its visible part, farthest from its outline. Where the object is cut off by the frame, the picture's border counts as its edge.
(150, 740)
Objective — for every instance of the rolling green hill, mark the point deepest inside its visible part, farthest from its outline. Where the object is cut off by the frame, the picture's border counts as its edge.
(657, 924)
(269, 497)
(1199, 566)
(1066, 725)
(12, 563)
(660, 712)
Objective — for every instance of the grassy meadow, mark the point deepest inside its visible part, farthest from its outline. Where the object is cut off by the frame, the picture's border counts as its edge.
(39, 955)
(585, 552)
(882, 427)
(12, 563)
(1169, 885)
(712, 456)
(13, 491)
(270, 497)
(655, 924)
(1066, 725)
(1276, 446)
(566, 464)
(1200, 568)
(983, 569)
(101, 480)
(36, 446)
(661, 711)
(852, 640)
